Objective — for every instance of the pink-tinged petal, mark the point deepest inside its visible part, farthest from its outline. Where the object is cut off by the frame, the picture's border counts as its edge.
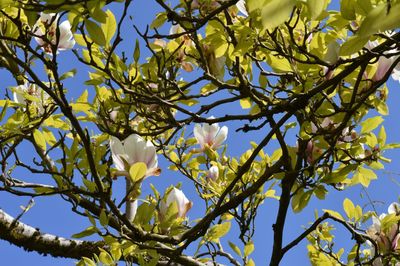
(176, 195)
(48, 18)
(175, 29)
(199, 134)
(210, 132)
(66, 36)
(241, 5)
(119, 163)
(314, 128)
(151, 155)
(383, 66)
(394, 208)
(327, 123)
(118, 153)
(396, 74)
(221, 137)
(18, 94)
(213, 172)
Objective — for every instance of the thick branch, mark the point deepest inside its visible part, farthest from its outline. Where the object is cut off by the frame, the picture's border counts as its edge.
(31, 239)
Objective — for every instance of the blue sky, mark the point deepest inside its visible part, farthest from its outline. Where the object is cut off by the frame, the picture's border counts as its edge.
(54, 216)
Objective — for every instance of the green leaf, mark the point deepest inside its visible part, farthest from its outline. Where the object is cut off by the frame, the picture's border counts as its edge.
(68, 74)
(235, 248)
(103, 218)
(349, 208)
(365, 176)
(275, 12)
(379, 20)
(88, 262)
(87, 232)
(334, 214)
(217, 231)
(95, 32)
(136, 53)
(249, 248)
(370, 124)
(245, 103)
(109, 27)
(39, 139)
(382, 136)
(347, 9)
(352, 45)
(300, 200)
(159, 21)
(315, 7)
(105, 258)
(137, 171)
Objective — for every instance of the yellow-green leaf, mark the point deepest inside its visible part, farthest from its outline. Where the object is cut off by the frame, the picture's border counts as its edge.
(95, 32)
(370, 124)
(245, 103)
(109, 28)
(39, 139)
(349, 208)
(249, 248)
(137, 171)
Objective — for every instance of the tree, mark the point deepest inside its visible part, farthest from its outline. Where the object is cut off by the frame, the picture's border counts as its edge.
(291, 70)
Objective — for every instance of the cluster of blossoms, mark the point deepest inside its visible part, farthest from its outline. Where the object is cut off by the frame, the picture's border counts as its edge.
(327, 125)
(386, 240)
(45, 32)
(31, 94)
(210, 136)
(135, 149)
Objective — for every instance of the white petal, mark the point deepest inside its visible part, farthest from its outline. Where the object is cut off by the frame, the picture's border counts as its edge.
(199, 134)
(241, 5)
(117, 152)
(221, 137)
(394, 208)
(150, 155)
(132, 149)
(396, 74)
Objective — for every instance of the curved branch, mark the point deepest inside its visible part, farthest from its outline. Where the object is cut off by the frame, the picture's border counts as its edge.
(31, 239)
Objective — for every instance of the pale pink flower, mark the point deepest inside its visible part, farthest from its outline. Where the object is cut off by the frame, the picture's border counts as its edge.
(210, 135)
(46, 28)
(213, 173)
(177, 196)
(384, 63)
(132, 150)
(38, 96)
(241, 5)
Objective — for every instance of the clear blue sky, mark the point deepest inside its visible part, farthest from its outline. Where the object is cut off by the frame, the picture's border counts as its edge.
(54, 216)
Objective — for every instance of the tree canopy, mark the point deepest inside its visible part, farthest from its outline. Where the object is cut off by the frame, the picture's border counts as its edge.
(302, 83)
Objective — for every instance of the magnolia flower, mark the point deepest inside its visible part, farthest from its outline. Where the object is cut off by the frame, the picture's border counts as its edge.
(384, 63)
(183, 204)
(210, 135)
(31, 94)
(385, 240)
(241, 5)
(132, 150)
(213, 172)
(46, 31)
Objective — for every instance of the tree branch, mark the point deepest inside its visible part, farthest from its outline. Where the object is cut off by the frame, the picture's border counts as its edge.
(31, 239)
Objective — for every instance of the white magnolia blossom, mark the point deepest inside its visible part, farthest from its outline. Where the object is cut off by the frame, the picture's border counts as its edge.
(384, 63)
(241, 5)
(132, 150)
(38, 96)
(176, 195)
(46, 28)
(210, 135)
(213, 173)
(388, 240)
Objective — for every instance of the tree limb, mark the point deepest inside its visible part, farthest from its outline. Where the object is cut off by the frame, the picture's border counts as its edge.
(31, 239)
